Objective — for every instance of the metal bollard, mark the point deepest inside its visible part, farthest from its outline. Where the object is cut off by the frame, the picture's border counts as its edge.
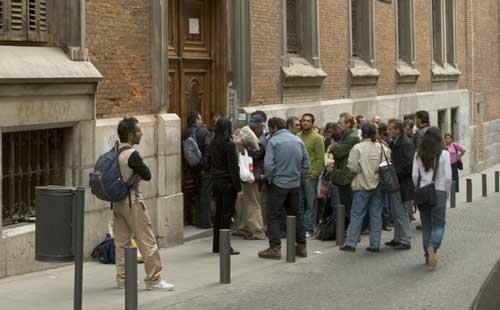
(497, 181)
(225, 255)
(339, 236)
(131, 279)
(484, 184)
(453, 196)
(78, 220)
(290, 238)
(468, 191)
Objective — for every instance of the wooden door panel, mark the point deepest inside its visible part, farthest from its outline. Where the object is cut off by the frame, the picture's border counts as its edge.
(197, 90)
(195, 25)
(173, 28)
(173, 89)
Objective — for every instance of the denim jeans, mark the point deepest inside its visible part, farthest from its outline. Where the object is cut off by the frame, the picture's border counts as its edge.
(386, 209)
(401, 220)
(363, 201)
(310, 203)
(279, 199)
(334, 198)
(202, 207)
(433, 222)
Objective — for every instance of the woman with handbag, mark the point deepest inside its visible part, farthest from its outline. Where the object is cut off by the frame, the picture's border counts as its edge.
(456, 152)
(225, 174)
(432, 178)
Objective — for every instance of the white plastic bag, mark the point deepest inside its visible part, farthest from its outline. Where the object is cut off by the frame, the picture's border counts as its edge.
(246, 168)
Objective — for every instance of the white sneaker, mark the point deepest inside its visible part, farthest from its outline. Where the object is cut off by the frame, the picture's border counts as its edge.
(162, 285)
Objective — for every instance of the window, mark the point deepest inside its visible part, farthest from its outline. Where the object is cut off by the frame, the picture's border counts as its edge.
(443, 23)
(292, 26)
(29, 159)
(362, 31)
(23, 20)
(405, 31)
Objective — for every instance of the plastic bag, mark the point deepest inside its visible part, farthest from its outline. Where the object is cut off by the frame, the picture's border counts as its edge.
(246, 168)
(249, 138)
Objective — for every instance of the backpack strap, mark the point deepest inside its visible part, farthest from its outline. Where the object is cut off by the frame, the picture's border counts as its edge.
(133, 176)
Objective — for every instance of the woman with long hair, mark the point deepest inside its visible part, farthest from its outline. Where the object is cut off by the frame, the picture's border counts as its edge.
(431, 160)
(456, 152)
(225, 174)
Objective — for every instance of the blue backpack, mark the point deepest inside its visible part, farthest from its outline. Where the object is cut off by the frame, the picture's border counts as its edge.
(106, 181)
(104, 252)
(191, 151)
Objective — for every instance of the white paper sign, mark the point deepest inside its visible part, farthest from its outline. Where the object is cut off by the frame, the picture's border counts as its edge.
(194, 26)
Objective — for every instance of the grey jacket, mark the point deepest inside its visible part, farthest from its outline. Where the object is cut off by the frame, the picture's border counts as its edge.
(286, 160)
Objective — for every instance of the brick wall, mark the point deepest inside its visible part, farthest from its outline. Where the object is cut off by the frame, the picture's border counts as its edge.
(118, 36)
(385, 46)
(266, 45)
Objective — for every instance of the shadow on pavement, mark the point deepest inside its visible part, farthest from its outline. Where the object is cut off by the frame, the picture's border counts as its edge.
(488, 297)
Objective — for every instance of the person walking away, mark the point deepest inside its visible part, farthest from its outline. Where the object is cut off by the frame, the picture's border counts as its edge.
(432, 161)
(402, 154)
(316, 152)
(285, 163)
(130, 216)
(341, 175)
(200, 172)
(364, 161)
(225, 174)
(456, 152)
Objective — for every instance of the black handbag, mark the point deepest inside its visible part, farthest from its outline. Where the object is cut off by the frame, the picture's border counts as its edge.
(388, 177)
(425, 197)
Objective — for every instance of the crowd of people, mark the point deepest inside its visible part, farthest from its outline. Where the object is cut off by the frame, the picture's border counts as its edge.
(270, 168)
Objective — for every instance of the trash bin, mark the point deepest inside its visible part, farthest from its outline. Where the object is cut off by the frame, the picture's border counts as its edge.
(54, 223)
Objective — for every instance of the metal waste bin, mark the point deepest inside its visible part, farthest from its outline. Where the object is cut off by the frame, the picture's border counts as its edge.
(55, 207)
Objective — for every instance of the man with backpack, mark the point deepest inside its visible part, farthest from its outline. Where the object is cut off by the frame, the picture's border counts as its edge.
(130, 215)
(195, 140)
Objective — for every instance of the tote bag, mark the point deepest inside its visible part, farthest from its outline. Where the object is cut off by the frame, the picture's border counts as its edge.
(388, 178)
(246, 168)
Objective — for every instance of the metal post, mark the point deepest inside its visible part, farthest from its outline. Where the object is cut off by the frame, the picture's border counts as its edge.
(225, 256)
(78, 220)
(497, 181)
(453, 196)
(339, 236)
(484, 184)
(469, 190)
(290, 239)
(131, 278)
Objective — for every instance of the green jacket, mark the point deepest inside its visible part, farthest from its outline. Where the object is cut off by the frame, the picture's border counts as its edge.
(341, 175)
(316, 151)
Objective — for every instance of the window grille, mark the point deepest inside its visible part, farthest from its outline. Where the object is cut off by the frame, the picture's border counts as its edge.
(23, 20)
(293, 40)
(354, 28)
(29, 159)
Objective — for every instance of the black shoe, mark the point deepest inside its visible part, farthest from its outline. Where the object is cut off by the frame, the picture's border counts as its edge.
(374, 250)
(347, 248)
(419, 227)
(392, 243)
(386, 227)
(234, 252)
(402, 246)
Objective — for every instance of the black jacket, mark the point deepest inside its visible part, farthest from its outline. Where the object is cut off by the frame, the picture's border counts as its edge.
(224, 167)
(402, 156)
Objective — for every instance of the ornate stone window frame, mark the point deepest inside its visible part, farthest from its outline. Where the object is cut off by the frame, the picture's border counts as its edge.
(302, 66)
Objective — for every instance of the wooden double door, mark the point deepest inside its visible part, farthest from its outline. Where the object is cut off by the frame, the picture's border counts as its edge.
(197, 51)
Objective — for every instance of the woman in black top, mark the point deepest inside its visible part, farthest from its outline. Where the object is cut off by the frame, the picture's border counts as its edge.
(225, 174)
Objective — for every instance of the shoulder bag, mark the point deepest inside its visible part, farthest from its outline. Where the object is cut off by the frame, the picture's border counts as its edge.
(388, 177)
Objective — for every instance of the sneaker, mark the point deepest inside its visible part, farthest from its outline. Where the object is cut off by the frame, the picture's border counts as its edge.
(392, 243)
(373, 250)
(347, 248)
(161, 286)
(301, 250)
(271, 253)
(386, 227)
(433, 259)
(402, 246)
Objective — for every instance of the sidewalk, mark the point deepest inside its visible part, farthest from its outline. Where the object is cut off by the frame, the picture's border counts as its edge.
(191, 267)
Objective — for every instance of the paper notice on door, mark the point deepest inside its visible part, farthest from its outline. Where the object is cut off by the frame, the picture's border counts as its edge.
(194, 26)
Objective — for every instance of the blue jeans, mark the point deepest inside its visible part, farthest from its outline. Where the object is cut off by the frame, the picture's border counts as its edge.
(433, 222)
(363, 201)
(334, 199)
(310, 202)
(386, 209)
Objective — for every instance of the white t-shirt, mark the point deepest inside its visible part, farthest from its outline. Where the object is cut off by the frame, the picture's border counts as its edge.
(443, 175)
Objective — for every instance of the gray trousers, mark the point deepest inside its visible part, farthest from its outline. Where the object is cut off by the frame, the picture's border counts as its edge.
(399, 211)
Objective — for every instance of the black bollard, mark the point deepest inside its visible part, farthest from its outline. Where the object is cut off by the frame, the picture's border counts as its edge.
(484, 184)
(225, 256)
(78, 221)
(290, 239)
(131, 278)
(469, 190)
(453, 196)
(339, 236)
(497, 181)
